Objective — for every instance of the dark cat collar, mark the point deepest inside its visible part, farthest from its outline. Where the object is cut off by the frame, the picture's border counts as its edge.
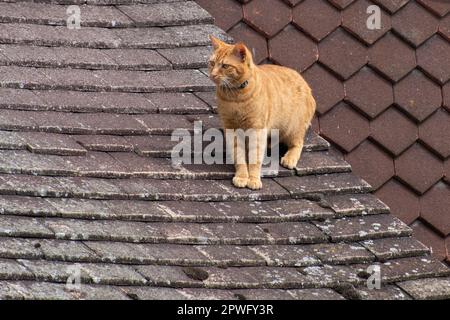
(243, 85)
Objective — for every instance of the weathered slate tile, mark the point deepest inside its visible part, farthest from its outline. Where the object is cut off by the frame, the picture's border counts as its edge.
(271, 191)
(227, 256)
(111, 274)
(427, 289)
(153, 293)
(169, 276)
(356, 204)
(7, 292)
(15, 120)
(387, 292)
(105, 143)
(315, 294)
(80, 79)
(50, 143)
(66, 251)
(341, 253)
(160, 254)
(12, 140)
(137, 59)
(407, 269)
(12, 270)
(77, 101)
(137, 210)
(286, 255)
(27, 206)
(321, 162)
(314, 142)
(11, 226)
(362, 228)
(182, 103)
(162, 124)
(326, 184)
(167, 14)
(392, 248)
(330, 275)
(293, 232)
(13, 248)
(187, 211)
(207, 294)
(300, 209)
(209, 97)
(187, 57)
(18, 99)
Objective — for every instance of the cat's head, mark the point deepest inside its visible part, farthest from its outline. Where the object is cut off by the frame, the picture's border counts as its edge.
(229, 65)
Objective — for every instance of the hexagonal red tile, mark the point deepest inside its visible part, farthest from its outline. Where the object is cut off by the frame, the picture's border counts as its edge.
(394, 131)
(341, 4)
(257, 13)
(344, 126)
(447, 170)
(414, 23)
(342, 53)
(355, 17)
(418, 95)
(317, 18)
(391, 5)
(371, 163)
(291, 48)
(255, 42)
(434, 207)
(403, 203)
(440, 8)
(327, 90)
(369, 92)
(435, 132)
(293, 3)
(429, 238)
(419, 168)
(226, 12)
(392, 57)
(434, 57)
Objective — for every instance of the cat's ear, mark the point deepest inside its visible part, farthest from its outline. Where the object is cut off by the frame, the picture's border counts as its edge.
(216, 43)
(240, 51)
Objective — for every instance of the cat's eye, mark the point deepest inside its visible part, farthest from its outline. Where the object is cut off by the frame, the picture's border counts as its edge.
(225, 66)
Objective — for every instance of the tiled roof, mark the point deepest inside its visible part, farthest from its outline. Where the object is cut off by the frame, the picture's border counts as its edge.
(87, 184)
(383, 95)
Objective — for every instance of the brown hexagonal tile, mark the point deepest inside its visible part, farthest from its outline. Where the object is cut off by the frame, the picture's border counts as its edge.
(430, 238)
(435, 132)
(447, 244)
(254, 41)
(394, 131)
(226, 13)
(391, 5)
(444, 27)
(327, 90)
(293, 3)
(434, 206)
(256, 14)
(418, 95)
(344, 126)
(354, 19)
(434, 58)
(291, 48)
(418, 168)
(415, 24)
(341, 4)
(447, 170)
(392, 57)
(369, 92)
(403, 203)
(317, 18)
(371, 163)
(342, 53)
(439, 7)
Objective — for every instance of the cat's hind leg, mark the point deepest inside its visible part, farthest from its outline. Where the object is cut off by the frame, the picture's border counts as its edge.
(295, 147)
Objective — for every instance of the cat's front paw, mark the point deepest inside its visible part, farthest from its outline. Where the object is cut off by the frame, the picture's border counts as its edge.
(240, 182)
(289, 162)
(254, 183)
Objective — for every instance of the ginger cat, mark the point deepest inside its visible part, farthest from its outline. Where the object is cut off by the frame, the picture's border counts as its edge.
(259, 97)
